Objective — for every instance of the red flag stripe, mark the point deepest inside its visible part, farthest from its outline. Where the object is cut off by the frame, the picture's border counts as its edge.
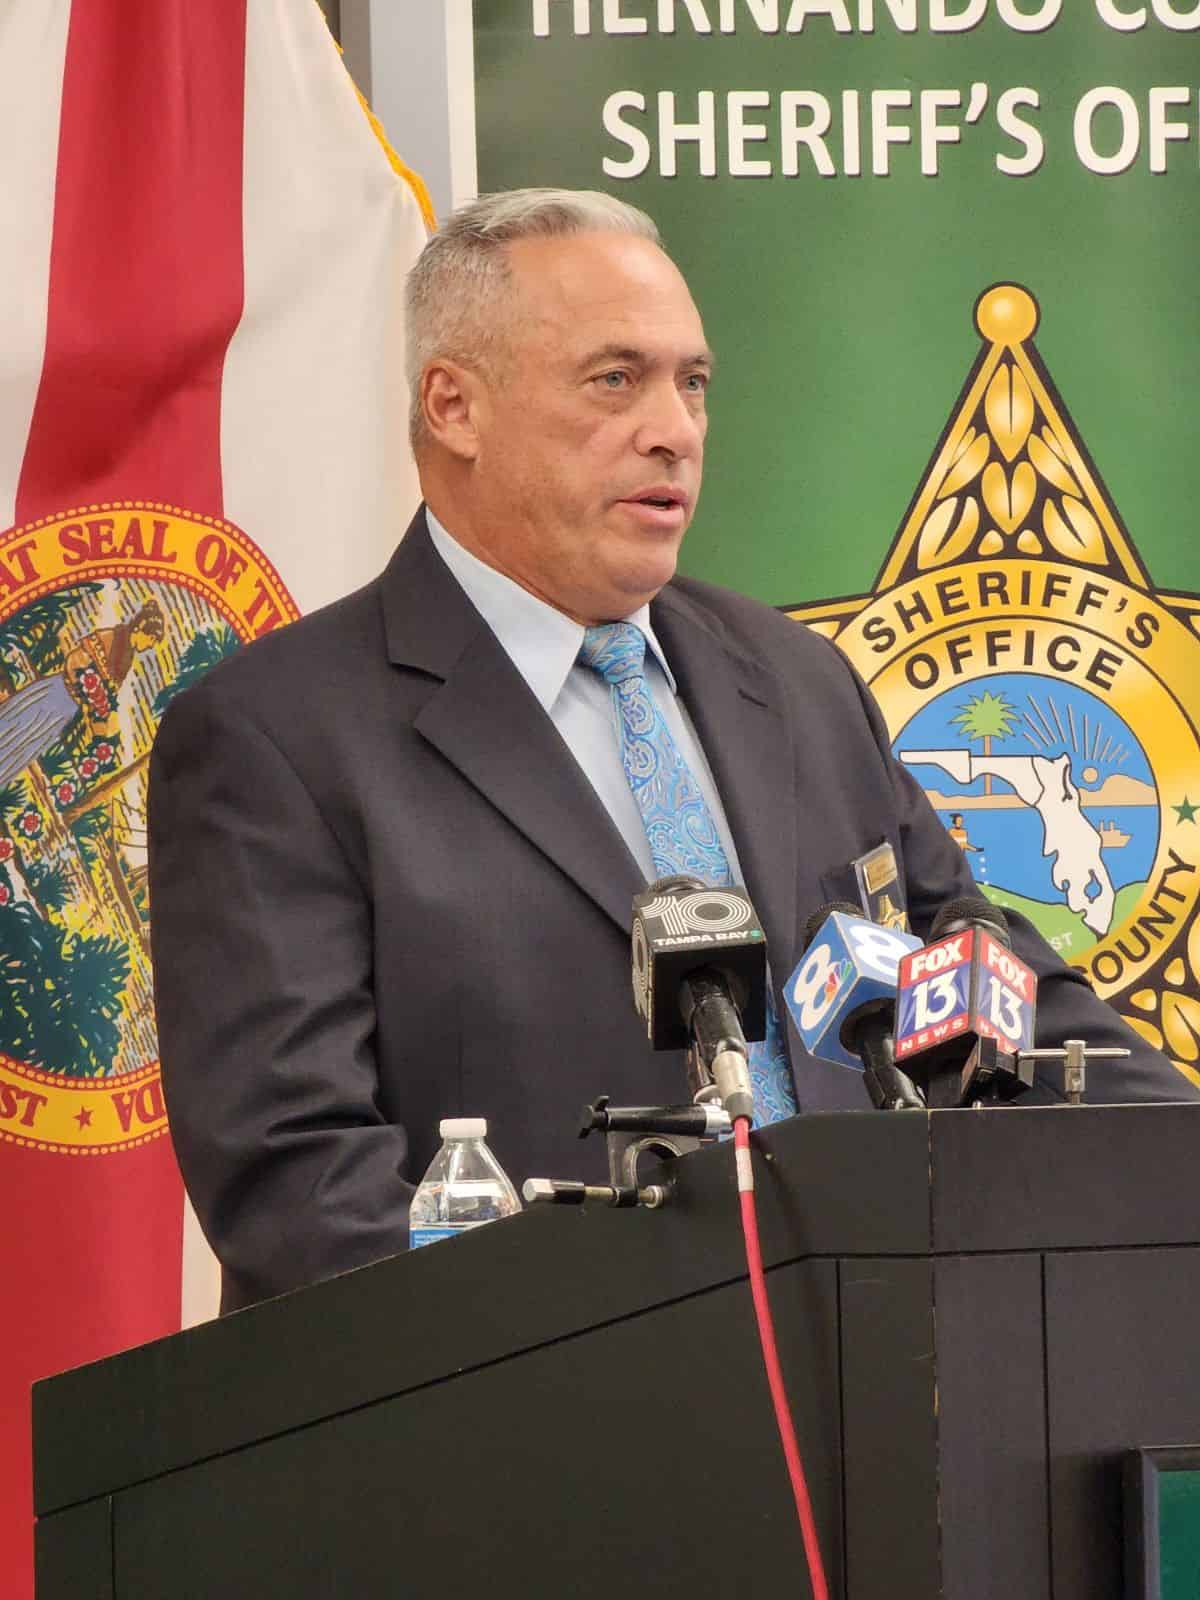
(146, 258)
(145, 292)
(90, 1264)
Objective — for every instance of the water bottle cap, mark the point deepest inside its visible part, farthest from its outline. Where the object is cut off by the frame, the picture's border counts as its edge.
(463, 1128)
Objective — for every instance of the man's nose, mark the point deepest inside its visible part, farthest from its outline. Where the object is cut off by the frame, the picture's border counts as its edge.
(670, 423)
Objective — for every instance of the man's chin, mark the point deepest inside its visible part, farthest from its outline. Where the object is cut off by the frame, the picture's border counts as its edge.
(631, 587)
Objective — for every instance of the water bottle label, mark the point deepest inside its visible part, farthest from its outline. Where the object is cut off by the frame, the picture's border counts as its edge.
(419, 1236)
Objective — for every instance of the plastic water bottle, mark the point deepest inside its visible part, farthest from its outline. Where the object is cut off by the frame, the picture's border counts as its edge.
(464, 1188)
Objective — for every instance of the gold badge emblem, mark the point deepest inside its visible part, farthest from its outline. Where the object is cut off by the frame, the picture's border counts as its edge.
(1041, 691)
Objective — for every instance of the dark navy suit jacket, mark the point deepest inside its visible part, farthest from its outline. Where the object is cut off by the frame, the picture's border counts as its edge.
(384, 893)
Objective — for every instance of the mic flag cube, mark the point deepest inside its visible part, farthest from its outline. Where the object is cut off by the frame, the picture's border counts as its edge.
(850, 964)
(967, 986)
(682, 930)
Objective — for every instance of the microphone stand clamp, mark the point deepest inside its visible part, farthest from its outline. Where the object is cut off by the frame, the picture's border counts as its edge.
(993, 1075)
(1075, 1055)
(666, 1132)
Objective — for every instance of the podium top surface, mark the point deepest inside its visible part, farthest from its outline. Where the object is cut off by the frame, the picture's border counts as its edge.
(839, 1184)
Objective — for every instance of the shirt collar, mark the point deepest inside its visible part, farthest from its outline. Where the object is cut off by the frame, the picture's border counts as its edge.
(541, 642)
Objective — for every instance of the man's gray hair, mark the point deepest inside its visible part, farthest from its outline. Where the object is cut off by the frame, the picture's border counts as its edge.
(454, 304)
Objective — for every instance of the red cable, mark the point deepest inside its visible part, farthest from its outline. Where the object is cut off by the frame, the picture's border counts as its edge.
(766, 1335)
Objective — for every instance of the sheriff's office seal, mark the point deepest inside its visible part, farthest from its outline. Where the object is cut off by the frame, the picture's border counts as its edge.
(1041, 691)
(106, 613)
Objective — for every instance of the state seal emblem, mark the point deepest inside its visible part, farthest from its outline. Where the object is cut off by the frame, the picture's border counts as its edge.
(106, 613)
(1039, 688)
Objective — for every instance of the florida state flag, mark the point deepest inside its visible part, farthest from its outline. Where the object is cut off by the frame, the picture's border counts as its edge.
(202, 432)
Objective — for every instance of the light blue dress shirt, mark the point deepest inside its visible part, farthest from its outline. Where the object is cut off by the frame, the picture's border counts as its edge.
(543, 645)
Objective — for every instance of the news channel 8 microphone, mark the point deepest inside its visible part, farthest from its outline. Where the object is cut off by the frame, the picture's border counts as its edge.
(680, 925)
(850, 963)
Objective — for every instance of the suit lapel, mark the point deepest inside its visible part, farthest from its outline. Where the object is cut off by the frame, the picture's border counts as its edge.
(735, 706)
(486, 722)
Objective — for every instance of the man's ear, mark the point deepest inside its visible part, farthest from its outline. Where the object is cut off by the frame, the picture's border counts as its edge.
(452, 397)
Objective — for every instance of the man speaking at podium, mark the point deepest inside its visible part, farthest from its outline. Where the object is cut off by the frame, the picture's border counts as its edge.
(394, 846)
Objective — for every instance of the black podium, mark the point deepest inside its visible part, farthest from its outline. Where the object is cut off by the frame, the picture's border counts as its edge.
(978, 1312)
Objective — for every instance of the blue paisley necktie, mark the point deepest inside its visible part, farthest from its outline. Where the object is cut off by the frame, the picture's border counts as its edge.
(682, 832)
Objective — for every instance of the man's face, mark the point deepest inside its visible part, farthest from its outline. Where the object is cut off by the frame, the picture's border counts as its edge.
(591, 424)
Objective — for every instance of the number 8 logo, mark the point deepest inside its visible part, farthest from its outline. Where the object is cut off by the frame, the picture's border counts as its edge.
(877, 948)
(809, 992)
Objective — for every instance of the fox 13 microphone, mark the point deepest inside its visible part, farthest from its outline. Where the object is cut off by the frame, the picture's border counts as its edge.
(700, 982)
(965, 1008)
(842, 998)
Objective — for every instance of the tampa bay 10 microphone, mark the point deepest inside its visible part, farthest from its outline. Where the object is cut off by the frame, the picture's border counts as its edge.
(965, 1008)
(700, 982)
(842, 998)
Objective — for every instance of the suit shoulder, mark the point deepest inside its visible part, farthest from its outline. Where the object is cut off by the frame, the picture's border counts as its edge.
(271, 676)
(759, 630)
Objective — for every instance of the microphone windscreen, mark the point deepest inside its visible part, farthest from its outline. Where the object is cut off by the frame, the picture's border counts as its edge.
(822, 914)
(676, 882)
(966, 911)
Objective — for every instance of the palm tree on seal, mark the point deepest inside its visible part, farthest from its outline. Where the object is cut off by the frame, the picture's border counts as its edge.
(60, 995)
(986, 717)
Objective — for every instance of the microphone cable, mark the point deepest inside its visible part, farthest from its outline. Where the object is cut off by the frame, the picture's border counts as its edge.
(770, 1354)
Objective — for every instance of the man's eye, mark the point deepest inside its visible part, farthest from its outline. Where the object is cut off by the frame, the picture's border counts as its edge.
(613, 380)
(696, 382)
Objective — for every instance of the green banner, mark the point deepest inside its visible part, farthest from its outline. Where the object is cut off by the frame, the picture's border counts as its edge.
(986, 498)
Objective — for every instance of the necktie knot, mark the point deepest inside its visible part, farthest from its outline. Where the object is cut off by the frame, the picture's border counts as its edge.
(616, 650)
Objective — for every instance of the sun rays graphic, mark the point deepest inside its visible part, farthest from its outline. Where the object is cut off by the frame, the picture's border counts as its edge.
(1084, 743)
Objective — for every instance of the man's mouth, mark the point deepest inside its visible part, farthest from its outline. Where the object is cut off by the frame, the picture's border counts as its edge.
(661, 498)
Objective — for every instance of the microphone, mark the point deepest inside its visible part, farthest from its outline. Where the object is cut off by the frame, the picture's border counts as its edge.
(842, 998)
(700, 982)
(965, 1008)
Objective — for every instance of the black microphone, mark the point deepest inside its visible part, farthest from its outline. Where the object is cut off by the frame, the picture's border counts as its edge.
(700, 981)
(970, 911)
(965, 1008)
(842, 997)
